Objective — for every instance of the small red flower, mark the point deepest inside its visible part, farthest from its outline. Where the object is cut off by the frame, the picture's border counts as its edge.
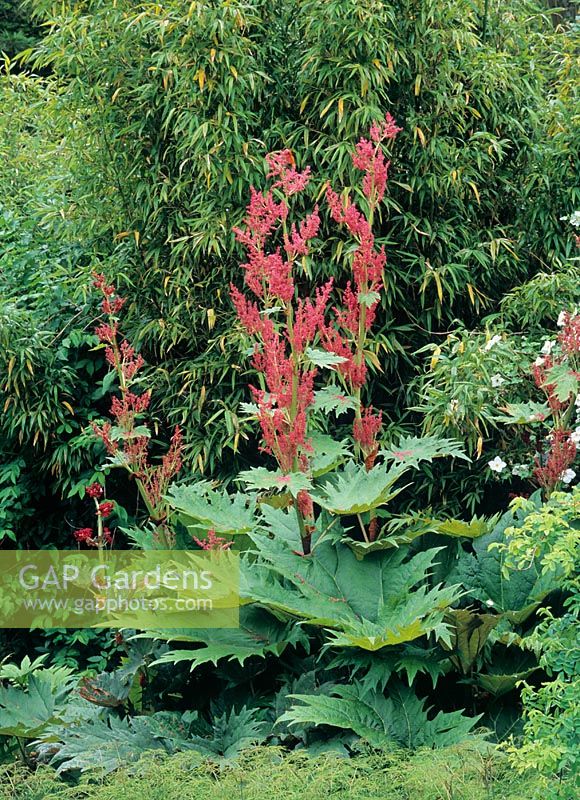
(84, 535)
(106, 508)
(95, 490)
(367, 428)
(213, 542)
(112, 303)
(282, 166)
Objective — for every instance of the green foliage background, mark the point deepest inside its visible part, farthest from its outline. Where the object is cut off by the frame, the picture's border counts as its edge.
(135, 154)
(178, 103)
(17, 29)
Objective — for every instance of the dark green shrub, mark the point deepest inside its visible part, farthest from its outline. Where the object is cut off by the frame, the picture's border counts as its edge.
(17, 30)
(48, 384)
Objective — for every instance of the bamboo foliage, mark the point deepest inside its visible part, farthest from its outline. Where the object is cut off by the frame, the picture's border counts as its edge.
(179, 102)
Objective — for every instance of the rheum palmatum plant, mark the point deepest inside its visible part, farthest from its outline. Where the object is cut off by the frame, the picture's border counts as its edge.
(310, 350)
(126, 437)
(100, 537)
(326, 550)
(550, 436)
(294, 336)
(553, 426)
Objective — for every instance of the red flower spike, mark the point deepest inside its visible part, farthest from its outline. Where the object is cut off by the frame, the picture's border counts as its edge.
(106, 333)
(103, 433)
(266, 274)
(569, 337)
(282, 166)
(561, 455)
(287, 325)
(370, 159)
(111, 303)
(113, 306)
(305, 505)
(367, 428)
(213, 542)
(153, 480)
(297, 243)
(309, 317)
(387, 129)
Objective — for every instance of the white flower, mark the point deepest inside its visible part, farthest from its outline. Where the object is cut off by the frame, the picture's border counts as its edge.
(567, 476)
(573, 219)
(539, 362)
(489, 603)
(520, 470)
(549, 345)
(575, 436)
(497, 464)
(497, 380)
(453, 407)
(561, 319)
(577, 401)
(493, 341)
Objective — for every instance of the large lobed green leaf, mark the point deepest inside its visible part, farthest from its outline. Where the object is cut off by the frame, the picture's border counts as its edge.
(355, 490)
(400, 718)
(26, 713)
(412, 450)
(199, 505)
(259, 633)
(105, 744)
(483, 575)
(383, 600)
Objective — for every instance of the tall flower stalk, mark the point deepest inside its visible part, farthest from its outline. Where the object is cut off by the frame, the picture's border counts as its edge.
(552, 372)
(126, 438)
(362, 295)
(287, 328)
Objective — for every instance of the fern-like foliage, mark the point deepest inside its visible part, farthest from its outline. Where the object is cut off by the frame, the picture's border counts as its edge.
(400, 718)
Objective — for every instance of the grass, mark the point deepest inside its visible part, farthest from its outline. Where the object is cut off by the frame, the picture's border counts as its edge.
(460, 773)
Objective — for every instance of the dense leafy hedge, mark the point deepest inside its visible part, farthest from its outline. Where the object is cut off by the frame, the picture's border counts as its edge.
(48, 381)
(179, 104)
